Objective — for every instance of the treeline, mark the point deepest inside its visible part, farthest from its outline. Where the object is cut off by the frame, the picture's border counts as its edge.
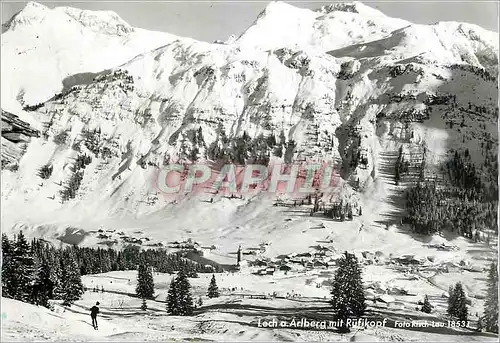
(462, 171)
(340, 211)
(432, 210)
(92, 261)
(75, 181)
(244, 149)
(179, 299)
(465, 207)
(36, 271)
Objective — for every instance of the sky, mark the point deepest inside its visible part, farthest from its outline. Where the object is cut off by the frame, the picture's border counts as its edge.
(211, 20)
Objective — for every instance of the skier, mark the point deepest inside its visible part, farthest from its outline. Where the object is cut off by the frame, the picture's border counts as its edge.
(93, 313)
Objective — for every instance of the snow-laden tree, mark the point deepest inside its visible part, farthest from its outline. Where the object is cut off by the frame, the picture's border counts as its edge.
(491, 304)
(457, 303)
(24, 264)
(213, 290)
(43, 285)
(145, 284)
(348, 298)
(426, 307)
(71, 281)
(179, 299)
(451, 301)
(10, 282)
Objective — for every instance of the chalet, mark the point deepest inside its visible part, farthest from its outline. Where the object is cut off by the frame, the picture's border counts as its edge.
(318, 264)
(318, 254)
(408, 260)
(259, 263)
(396, 305)
(285, 268)
(370, 293)
(327, 283)
(254, 249)
(330, 264)
(297, 260)
(205, 251)
(368, 255)
(260, 272)
(270, 270)
(385, 298)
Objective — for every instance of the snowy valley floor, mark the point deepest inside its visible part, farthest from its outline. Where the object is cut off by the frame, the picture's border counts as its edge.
(235, 315)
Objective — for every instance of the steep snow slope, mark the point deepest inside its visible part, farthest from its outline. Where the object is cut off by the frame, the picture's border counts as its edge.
(355, 103)
(43, 48)
(444, 43)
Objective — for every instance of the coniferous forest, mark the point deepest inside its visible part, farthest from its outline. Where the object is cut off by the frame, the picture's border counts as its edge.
(467, 204)
(36, 271)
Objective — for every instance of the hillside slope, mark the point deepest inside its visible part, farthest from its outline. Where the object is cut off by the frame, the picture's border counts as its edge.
(353, 101)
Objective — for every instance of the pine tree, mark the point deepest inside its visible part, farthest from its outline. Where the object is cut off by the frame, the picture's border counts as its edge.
(427, 307)
(43, 285)
(348, 297)
(56, 274)
(491, 304)
(179, 300)
(24, 268)
(172, 298)
(10, 282)
(71, 281)
(480, 325)
(451, 302)
(213, 290)
(145, 284)
(459, 307)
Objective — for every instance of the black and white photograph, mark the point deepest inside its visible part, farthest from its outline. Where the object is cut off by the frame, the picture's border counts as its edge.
(240, 171)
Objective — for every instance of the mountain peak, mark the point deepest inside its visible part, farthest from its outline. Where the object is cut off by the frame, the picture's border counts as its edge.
(35, 6)
(277, 5)
(105, 22)
(352, 7)
(280, 8)
(33, 12)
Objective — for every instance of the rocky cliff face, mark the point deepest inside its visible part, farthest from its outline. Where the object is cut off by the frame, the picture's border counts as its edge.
(317, 89)
(16, 134)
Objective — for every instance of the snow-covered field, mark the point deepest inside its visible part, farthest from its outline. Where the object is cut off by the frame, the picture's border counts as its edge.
(235, 315)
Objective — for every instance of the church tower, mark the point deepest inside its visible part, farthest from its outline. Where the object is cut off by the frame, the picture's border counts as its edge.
(238, 257)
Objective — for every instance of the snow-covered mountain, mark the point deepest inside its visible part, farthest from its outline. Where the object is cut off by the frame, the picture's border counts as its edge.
(44, 50)
(330, 27)
(344, 83)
